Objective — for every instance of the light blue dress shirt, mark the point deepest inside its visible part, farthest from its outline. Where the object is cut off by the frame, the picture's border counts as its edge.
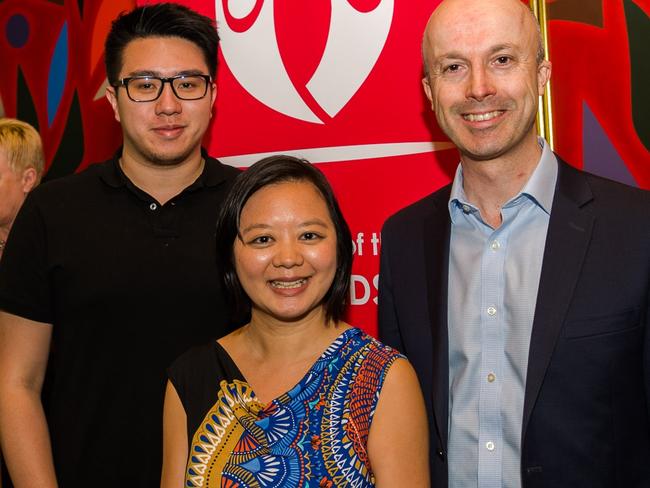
(493, 281)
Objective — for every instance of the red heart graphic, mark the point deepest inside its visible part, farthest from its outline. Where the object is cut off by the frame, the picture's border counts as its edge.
(301, 29)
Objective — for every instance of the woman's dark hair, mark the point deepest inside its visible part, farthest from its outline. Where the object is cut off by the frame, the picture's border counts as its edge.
(160, 20)
(269, 171)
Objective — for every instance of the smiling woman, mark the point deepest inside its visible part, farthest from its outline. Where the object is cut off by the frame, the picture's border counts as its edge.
(286, 252)
(274, 402)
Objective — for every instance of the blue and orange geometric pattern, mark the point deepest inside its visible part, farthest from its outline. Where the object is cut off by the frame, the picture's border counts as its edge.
(314, 435)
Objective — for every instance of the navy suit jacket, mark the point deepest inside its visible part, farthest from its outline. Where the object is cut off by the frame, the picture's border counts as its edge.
(586, 415)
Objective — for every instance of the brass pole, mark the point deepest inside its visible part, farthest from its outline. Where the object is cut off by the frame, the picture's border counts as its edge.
(545, 112)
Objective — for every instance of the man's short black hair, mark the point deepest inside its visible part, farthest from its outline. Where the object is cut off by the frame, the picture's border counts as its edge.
(269, 171)
(160, 20)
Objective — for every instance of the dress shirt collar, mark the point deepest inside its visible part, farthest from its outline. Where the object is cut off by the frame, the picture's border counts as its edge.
(540, 187)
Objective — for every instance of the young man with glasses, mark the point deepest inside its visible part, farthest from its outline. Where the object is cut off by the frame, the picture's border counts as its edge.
(111, 273)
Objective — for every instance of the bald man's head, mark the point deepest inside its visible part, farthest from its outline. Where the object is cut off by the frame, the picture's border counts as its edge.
(450, 8)
(485, 71)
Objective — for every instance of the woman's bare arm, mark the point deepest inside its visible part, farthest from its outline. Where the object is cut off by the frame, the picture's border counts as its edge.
(174, 440)
(398, 440)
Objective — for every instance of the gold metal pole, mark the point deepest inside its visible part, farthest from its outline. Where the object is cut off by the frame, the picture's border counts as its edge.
(545, 112)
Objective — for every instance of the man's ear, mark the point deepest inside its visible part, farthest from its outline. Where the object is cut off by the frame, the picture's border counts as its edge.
(213, 97)
(28, 180)
(426, 84)
(111, 96)
(543, 75)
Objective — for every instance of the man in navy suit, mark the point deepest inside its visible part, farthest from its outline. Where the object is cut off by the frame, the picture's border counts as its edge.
(520, 292)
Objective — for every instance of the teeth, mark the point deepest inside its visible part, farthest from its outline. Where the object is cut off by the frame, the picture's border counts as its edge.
(481, 117)
(288, 284)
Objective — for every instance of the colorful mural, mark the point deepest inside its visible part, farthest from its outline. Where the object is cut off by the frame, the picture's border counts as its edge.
(601, 72)
(53, 77)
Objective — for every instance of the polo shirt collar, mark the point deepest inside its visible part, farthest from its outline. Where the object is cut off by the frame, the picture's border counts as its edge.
(211, 176)
(111, 173)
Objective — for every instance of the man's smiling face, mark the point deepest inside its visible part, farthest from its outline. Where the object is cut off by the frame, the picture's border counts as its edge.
(483, 76)
(167, 131)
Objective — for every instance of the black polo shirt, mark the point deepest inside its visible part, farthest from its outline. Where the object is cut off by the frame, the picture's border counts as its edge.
(128, 285)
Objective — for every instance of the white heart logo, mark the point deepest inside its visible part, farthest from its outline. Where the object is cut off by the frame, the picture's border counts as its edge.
(250, 47)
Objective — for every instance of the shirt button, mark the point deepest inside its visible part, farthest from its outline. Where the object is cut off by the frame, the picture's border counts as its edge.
(491, 311)
(495, 245)
(491, 378)
(489, 445)
(466, 208)
(153, 206)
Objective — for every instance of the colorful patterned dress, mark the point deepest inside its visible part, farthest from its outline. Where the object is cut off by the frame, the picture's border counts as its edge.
(315, 435)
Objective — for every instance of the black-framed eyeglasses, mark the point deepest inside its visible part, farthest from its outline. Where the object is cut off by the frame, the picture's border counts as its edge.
(149, 88)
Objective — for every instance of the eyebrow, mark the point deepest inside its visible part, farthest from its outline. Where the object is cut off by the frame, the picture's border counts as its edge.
(503, 47)
(187, 72)
(318, 222)
(493, 50)
(307, 223)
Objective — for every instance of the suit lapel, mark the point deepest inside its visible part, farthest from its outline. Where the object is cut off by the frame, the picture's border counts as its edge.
(437, 226)
(569, 233)
(567, 241)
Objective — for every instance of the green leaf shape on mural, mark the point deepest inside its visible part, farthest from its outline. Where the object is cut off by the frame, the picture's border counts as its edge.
(71, 148)
(638, 31)
(588, 12)
(25, 110)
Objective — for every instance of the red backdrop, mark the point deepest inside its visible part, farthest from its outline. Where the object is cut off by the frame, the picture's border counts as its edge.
(288, 83)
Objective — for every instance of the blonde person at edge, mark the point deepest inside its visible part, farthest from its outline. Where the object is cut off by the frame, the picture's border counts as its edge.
(295, 397)
(21, 167)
